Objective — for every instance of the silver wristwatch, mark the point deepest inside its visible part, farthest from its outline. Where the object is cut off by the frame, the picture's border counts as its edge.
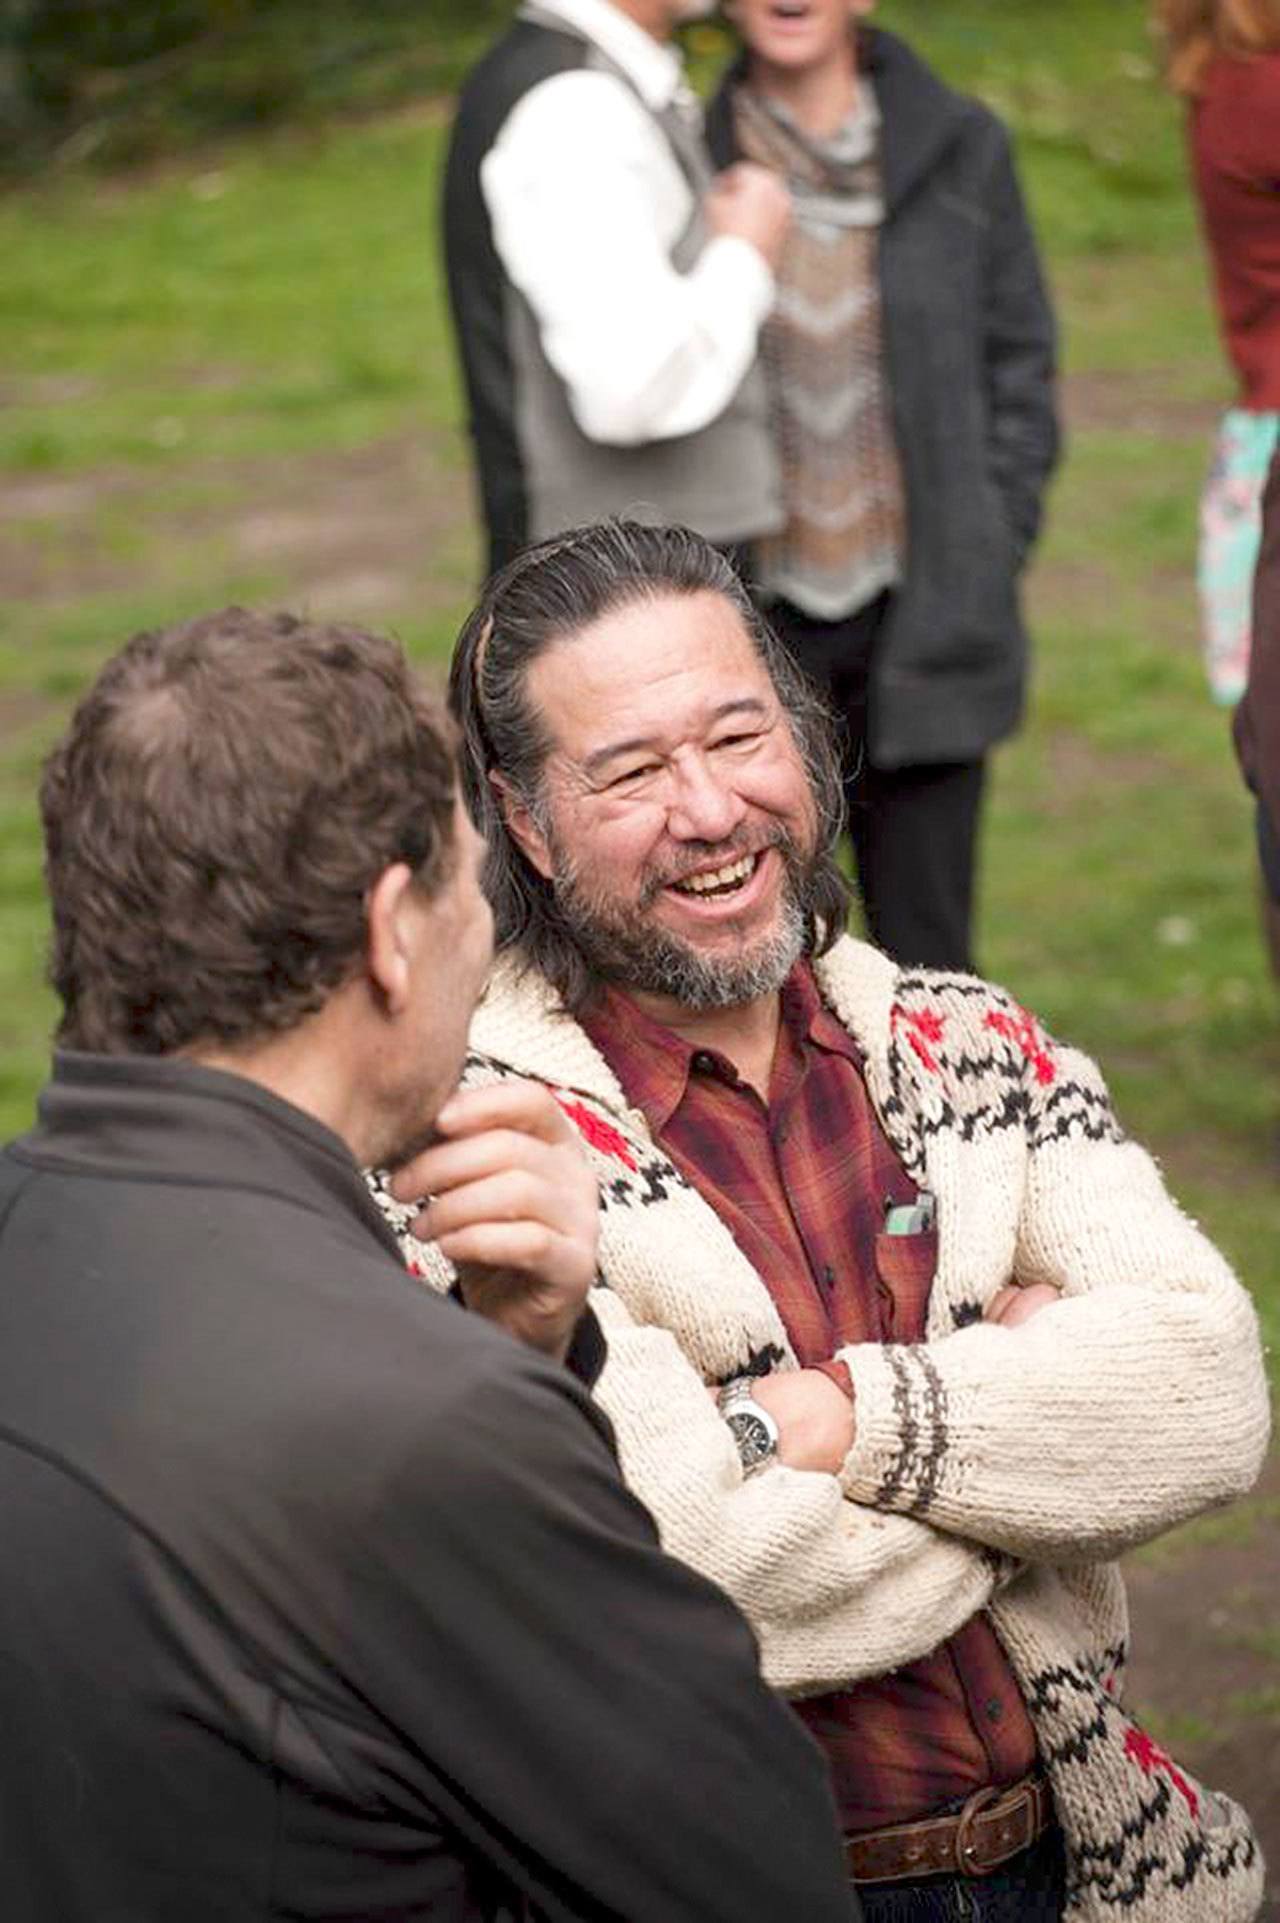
(753, 1428)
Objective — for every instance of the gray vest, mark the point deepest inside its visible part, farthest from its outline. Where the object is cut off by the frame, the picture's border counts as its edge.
(722, 480)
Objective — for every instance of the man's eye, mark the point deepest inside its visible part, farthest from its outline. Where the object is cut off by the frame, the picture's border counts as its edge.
(630, 776)
(745, 740)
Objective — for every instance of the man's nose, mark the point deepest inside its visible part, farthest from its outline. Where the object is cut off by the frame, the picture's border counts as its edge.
(704, 807)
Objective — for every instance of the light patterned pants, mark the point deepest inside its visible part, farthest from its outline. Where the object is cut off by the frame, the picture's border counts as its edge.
(1230, 532)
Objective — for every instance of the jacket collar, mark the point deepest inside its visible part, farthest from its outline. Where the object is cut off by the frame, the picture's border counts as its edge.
(152, 1118)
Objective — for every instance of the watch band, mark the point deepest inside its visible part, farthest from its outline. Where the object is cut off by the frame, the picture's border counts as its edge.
(753, 1429)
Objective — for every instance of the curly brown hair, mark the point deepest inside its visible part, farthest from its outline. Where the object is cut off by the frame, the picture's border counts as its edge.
(225, 795)
(1195, 31)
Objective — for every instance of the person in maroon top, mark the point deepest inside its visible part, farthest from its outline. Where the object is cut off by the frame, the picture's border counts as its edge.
(707, 1010)
(1224, 58)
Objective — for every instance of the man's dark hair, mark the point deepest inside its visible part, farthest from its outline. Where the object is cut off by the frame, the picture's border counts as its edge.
(550, 593)
(227, 792)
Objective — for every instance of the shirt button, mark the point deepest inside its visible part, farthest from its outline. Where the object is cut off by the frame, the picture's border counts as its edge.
(995, 1710)
(704, 1063)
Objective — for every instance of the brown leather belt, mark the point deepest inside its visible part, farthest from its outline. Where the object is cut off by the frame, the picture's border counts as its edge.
(994, 1826)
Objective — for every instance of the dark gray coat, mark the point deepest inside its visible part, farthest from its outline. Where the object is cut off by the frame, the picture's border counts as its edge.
(321, 1598)
(969, 341)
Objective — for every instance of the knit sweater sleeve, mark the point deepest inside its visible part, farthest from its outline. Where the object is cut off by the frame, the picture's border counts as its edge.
(833, 1590)
(1136, 1400)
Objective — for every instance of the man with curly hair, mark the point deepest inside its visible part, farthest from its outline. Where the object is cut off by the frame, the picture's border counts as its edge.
(321, 1598)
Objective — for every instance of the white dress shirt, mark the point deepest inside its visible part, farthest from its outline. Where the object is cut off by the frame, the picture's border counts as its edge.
(586, 200)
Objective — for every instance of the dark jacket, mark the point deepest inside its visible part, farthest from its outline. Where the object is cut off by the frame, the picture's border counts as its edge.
(322, 1598)
(969, 347)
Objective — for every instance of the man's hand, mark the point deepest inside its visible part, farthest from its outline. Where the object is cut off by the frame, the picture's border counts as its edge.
(815, 1418)
(1011, 1305)
(514, 1206)
(752, 204)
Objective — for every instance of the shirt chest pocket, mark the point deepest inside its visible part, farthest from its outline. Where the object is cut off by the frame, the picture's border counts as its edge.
(905, 1268)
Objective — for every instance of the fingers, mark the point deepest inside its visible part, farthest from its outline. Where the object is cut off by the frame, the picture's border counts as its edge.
(512, 1200)
(511, 1104)
(1015, 1304)
(524, 1107)
(451, 1165)
(503, 1194)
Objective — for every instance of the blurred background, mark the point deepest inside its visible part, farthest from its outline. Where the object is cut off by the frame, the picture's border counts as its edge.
(226, 375)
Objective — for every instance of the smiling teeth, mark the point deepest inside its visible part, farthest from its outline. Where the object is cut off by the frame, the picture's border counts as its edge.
(729, 877)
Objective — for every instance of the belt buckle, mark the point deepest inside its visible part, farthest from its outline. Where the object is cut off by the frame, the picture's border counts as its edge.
(966, 1849)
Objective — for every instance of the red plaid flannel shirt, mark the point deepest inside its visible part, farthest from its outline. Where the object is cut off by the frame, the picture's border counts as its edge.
(804, 1183)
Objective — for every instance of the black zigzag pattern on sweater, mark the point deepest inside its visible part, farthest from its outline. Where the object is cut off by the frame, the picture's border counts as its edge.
(653, 1181)
(933, 1101)
(1120, 1870)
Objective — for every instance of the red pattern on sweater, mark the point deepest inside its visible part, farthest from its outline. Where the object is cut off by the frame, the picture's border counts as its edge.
(1152, 1760)
(924, 1028)
(594, 1129)
(1025, 1031)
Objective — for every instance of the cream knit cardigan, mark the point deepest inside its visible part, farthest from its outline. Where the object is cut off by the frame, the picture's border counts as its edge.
(996, 1469)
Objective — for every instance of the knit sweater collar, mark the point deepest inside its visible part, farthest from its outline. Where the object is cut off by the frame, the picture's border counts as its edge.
(522, 1021)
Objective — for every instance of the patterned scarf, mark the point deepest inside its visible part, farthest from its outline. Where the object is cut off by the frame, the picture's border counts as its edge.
(823, 358)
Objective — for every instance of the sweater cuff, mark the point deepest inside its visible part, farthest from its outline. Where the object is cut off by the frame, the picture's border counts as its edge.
(901, 1442)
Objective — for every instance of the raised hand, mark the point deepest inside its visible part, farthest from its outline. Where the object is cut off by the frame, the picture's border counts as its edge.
(513, 1204)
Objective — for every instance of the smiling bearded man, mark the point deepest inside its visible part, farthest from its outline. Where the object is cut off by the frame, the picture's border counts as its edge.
(716, 919)
(906, 1342)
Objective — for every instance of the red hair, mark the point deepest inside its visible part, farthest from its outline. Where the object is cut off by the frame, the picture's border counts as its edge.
(1197, 31)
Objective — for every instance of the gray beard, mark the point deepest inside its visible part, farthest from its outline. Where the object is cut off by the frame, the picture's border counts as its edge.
(623, 947)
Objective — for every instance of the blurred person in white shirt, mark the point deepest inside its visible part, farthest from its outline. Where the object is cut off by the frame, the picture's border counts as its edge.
(607, 289)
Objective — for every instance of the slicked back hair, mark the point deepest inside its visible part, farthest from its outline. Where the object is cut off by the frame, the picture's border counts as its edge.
(226, 794)
(549, 593)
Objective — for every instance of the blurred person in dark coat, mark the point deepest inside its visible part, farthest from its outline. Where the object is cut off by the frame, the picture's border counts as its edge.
(910, 362)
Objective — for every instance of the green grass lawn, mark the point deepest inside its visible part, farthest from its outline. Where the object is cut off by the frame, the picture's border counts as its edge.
(193, 350)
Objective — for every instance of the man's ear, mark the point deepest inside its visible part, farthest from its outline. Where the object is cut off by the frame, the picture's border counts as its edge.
(392, 928)
(521, 826)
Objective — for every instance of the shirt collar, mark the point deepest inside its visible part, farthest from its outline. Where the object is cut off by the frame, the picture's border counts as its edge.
(653, 1063)
(654, 70)
(808, 1018)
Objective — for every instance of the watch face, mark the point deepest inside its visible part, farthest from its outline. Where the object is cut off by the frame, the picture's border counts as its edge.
(753, 1437)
